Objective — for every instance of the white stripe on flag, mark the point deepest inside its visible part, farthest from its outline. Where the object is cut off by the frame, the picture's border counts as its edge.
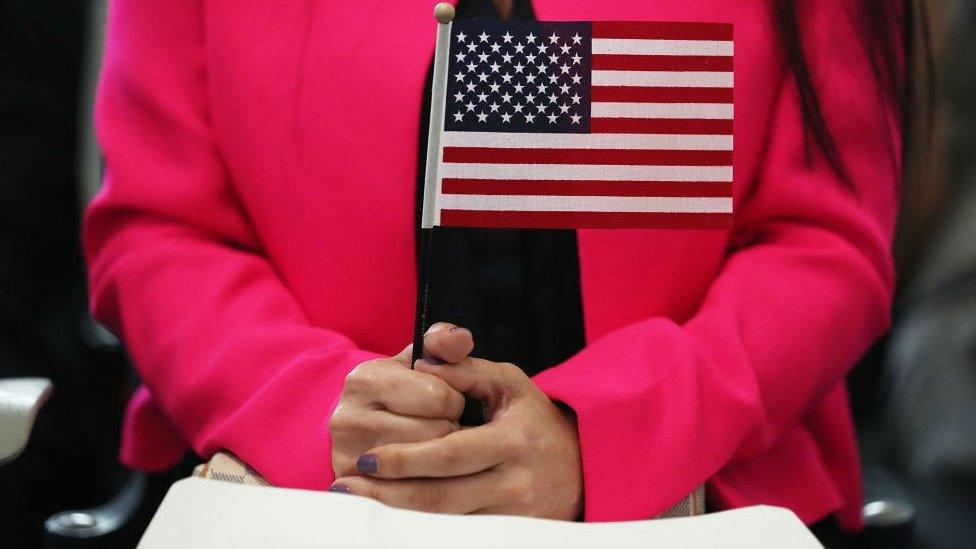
(584, 203)
(667, 79)
(627, 46)
(585, 172)
(627, 141)
(662, 110)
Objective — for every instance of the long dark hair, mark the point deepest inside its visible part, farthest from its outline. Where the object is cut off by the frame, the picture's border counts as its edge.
(886, 28)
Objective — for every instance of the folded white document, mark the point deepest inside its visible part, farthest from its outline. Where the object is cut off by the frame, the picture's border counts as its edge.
(211, 514)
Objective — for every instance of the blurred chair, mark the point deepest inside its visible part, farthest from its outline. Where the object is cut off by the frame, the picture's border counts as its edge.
(120, 521)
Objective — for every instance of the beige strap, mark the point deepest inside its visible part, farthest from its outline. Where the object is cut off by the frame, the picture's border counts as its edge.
(691, 506)
(226, 467)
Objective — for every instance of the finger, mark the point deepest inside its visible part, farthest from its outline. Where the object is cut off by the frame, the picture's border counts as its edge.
(406, 354)
(491, 382)
(392, 386)
(460, 453)
(361, 429)
(443, 341)
(353, 434)
(449, 344)
(455, 495)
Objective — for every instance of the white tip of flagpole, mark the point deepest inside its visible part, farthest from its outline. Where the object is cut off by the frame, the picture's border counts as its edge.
(444, 13)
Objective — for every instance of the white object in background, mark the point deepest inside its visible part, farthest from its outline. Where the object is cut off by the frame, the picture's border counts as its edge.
(201, 513)
(20, 400)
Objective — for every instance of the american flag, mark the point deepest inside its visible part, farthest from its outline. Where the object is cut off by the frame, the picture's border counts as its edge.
(582, 125)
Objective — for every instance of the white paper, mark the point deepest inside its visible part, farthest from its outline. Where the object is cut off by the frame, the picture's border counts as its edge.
(211, 514)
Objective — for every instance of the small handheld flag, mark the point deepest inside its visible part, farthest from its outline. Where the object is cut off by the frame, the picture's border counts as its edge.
(581, 125)
(578, 125)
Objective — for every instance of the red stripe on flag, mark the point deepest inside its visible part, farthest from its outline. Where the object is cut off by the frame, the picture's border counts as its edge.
(662, 30)
(584, 188)
(633, 94)
(661, 125)
(682, 63)
(585, 220)
(614, 157)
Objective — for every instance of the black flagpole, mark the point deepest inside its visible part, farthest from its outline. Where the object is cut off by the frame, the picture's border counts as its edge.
(424, 244)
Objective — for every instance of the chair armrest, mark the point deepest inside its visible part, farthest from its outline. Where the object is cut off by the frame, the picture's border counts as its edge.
(117, 523)
(20, 401)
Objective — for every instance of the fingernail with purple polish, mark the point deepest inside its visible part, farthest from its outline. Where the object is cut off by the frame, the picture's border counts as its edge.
(432, 360)
(367, 463)
(340, 489)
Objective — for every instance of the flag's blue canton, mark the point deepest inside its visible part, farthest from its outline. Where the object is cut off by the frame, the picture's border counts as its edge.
(518, 77)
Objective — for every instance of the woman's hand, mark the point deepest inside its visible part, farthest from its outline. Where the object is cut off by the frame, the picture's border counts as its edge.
(383, 401)
(524, 461)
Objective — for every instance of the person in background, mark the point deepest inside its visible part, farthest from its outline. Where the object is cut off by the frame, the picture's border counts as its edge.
(930, 367)
(254, 247)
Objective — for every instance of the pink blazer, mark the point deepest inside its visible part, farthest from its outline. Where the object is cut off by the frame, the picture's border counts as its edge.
(254, 242)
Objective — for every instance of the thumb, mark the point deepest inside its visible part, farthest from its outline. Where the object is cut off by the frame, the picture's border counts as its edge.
(443, 341)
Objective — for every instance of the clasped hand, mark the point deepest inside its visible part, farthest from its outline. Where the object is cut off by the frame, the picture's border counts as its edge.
(396, 438)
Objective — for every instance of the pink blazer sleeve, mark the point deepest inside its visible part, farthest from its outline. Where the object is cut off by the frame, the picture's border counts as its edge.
(805, 289)
(177, 271)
